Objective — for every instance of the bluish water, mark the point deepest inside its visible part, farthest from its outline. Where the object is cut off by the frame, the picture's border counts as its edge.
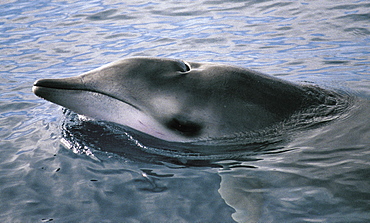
(323, 175)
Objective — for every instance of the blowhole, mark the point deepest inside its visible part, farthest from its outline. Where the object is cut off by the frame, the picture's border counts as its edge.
(187, 67)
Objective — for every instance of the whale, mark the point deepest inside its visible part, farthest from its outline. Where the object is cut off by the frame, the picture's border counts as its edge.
(176, 100)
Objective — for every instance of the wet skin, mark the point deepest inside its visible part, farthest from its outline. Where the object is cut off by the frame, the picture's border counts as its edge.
(175, 100)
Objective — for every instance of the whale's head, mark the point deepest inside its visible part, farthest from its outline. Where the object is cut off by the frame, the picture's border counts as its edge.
(174, 100)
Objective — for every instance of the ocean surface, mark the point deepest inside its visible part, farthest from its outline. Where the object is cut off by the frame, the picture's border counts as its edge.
(55, 166)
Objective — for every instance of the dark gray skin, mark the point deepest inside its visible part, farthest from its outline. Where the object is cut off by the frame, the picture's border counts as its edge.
(177, 101)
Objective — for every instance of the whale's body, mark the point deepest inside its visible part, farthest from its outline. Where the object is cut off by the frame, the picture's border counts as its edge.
(177, 101)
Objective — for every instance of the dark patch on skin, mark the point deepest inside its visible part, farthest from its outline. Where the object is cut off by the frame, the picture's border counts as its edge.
(184, 126)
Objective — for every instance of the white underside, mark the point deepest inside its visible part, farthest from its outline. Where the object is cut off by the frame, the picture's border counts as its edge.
(102, 107)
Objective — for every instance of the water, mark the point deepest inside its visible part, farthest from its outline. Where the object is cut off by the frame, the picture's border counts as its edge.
(320, 175)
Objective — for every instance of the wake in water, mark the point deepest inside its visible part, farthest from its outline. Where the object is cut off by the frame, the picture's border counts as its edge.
(87, 136)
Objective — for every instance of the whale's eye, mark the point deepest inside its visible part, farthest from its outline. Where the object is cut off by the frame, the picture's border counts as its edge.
(184, 127)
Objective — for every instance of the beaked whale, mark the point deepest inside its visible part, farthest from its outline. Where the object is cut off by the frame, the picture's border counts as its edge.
(178, 101)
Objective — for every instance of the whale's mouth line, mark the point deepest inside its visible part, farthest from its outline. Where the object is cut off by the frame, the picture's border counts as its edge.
(86, 90)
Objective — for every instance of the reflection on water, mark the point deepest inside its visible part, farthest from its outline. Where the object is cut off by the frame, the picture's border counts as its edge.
(321, 175)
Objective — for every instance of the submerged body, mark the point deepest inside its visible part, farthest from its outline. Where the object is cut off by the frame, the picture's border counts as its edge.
(178, 101)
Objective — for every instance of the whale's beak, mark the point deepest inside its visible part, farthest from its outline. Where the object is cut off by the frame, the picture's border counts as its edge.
(72, 83)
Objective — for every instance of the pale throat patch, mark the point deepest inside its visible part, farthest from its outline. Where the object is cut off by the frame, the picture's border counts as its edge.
(166, 104)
